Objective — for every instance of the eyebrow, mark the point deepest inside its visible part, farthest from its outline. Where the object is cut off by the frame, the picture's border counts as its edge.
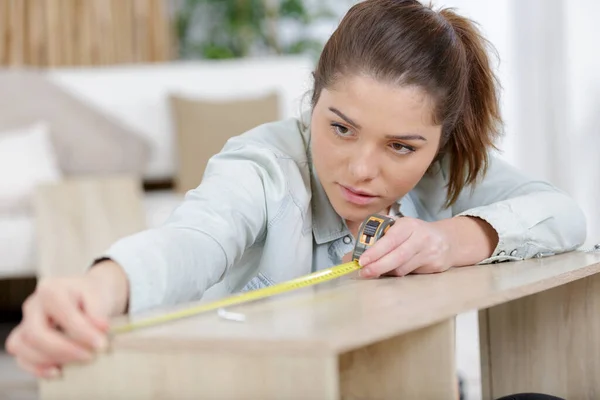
(406, 137)
(354, 124)
(344, 117)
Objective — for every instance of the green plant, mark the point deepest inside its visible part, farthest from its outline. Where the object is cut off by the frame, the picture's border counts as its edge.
(218, 29)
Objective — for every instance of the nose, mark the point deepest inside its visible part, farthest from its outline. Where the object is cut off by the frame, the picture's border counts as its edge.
(364, 165)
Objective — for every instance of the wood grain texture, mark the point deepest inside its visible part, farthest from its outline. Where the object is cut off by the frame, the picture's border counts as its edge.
(79, 218)
(17, 32)
(547, 343)
(418, 365)
(4, 32)
(52, 33)
(399, 327)
(349, 313)
(210, 374)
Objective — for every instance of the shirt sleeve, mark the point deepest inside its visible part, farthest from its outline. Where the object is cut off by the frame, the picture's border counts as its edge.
(205, 235)
(532, 217)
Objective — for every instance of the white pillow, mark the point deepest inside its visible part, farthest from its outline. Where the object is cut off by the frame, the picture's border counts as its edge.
(27, 159)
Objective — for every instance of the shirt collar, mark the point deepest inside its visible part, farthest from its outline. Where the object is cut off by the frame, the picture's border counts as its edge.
(327, 224)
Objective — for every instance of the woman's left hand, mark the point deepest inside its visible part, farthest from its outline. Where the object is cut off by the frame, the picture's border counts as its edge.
(409, 246)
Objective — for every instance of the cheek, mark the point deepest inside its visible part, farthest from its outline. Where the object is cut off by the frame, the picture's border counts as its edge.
(402, 177)
(326, 152)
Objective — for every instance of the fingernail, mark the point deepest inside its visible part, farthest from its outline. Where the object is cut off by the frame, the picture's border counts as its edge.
(363, 261)
(365, 272)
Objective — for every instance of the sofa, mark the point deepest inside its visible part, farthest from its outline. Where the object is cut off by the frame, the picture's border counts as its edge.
(156, 122)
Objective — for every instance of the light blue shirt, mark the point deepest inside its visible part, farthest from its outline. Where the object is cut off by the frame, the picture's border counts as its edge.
(260, 216)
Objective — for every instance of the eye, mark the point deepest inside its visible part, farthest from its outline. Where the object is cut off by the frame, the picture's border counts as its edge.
(341, 130)
(400, 148)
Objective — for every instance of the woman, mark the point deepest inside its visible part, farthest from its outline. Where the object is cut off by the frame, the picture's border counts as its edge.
(404, 116)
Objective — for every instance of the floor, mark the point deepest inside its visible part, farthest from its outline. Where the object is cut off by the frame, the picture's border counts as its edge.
(14, 384)
(17, 385)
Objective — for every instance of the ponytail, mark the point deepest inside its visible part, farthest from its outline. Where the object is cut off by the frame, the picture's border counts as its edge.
(477, 125)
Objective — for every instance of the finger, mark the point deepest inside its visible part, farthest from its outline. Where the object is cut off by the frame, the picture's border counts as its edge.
(39, 335)
(392, 260)
(40, 372)
(64, 310)
(411, 266)
(93, 309)
(396, 235)
(431, 268)
(27, 354)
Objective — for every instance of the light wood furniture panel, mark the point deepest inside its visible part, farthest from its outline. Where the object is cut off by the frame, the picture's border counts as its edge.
(77, 219)
(351, 339)
(546, 342)
(53, 33)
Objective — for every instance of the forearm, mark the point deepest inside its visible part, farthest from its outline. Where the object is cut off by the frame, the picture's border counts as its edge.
(167, 266)
(471, 239)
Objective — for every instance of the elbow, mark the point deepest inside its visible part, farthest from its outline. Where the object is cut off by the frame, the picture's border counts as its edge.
(570, 226)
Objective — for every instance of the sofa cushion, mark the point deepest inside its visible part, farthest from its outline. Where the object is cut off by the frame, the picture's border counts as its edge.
(137, 95)
(202, 128)
(86, 141)
(27, 159)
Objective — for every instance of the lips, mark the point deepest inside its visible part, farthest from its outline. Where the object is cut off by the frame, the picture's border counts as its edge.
(362, 193)
(357, 196)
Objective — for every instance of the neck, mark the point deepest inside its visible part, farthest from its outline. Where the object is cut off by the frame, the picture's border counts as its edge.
(353, 226)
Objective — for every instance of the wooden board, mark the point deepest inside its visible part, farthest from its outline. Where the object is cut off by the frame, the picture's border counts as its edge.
(419, 364)
(546, 343)
(349, 313)
(76, 220)
(336, 330)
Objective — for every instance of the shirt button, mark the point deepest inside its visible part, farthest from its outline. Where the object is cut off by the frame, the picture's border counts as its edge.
(347, 239)
(513, 253)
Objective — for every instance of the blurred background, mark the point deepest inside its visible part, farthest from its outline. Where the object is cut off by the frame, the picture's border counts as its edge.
(105, 99)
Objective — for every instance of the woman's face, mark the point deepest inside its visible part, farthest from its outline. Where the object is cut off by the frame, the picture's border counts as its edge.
(371, 144)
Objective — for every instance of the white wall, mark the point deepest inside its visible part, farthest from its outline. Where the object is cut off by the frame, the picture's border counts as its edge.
(138, 95)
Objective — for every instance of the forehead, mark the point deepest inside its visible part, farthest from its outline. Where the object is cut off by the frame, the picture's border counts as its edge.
(373, 103)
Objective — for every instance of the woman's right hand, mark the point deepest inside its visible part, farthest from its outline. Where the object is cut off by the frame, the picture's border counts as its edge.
(67, 319)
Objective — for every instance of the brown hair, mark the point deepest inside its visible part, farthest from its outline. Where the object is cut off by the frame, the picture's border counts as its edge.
(407, 43)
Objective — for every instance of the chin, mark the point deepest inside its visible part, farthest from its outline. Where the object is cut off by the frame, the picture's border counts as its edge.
(352, 212)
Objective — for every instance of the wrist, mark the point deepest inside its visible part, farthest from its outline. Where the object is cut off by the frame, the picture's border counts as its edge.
(113, 284)
(470, 239)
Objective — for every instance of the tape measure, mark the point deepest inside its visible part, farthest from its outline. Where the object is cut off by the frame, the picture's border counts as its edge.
(371, 229)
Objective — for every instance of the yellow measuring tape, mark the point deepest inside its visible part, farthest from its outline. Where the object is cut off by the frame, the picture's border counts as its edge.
(372, 228)
(298, 283)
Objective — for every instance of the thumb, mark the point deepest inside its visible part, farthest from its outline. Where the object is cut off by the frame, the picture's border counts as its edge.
(395, 236)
